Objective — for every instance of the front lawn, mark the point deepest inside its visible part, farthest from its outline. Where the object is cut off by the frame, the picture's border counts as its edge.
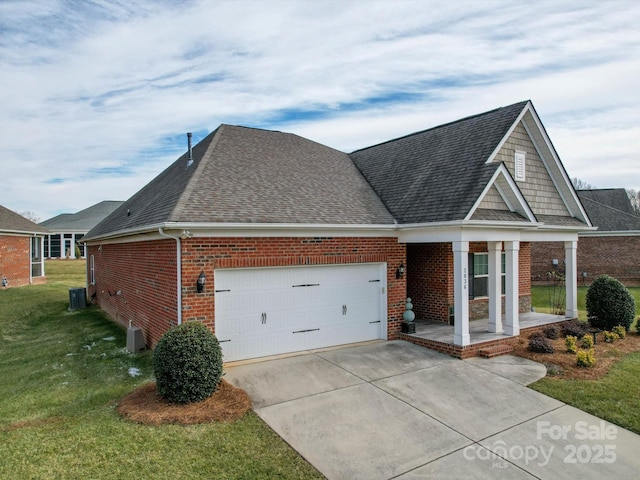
(614, 392)
(61, 376)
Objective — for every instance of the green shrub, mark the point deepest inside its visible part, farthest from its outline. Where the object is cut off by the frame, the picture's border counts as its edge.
(540, 344)
(586, 358)
(610, 337)
(571, 343)
(609, 303)
(575, 328)
(620, 331)
(551, 332)
(587, 341)
(187, 363)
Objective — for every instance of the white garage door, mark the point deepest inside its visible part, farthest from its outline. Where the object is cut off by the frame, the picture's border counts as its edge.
(267, 311)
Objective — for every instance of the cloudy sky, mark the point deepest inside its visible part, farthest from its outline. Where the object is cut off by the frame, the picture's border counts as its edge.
(96, 96)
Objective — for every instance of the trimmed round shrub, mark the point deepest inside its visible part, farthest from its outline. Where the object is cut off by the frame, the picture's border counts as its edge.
(187, 363)
(609, 303)
(551, 332)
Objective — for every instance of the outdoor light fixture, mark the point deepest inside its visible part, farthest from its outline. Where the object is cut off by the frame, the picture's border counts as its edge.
(202, 279)
(400, 271)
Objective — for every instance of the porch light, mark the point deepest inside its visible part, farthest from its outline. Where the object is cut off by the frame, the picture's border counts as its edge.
(202, 279)
(400, 271)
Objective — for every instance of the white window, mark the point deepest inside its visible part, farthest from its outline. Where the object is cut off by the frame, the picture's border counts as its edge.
(520, 165)
(479, 266)
(37, 262)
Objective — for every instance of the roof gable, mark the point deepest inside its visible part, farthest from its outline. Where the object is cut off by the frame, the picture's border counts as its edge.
(84, 220)
(11, 222)
(438, 174)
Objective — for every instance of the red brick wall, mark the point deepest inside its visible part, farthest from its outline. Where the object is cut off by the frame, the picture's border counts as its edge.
(15, 260)
(430, 280)
(145, 274)
(614, 256)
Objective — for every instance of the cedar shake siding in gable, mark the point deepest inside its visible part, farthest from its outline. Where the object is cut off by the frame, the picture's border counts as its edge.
(537, 188)
(137, 281)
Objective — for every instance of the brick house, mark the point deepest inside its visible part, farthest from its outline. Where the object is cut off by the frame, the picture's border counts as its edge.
(612, 249)
(301, 246)
(21, 250)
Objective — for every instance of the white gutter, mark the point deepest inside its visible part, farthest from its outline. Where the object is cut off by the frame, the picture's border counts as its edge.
(178, 268)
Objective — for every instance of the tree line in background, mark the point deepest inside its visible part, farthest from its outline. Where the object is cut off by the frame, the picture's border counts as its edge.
(634, 195)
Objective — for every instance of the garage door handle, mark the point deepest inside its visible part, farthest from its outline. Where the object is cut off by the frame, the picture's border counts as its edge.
(344, 309)
(264, 318)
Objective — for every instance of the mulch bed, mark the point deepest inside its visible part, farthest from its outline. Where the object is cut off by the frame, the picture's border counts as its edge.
(562, 364)
(146, 406)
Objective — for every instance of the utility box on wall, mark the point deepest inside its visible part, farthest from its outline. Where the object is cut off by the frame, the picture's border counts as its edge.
(77, 298)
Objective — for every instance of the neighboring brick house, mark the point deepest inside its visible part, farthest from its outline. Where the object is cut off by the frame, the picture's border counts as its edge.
(67, 229)
(301, 246)
(21, 254)
(612, 249)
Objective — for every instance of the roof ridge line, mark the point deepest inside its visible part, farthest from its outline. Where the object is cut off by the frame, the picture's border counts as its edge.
(188, 190)
(632, 215)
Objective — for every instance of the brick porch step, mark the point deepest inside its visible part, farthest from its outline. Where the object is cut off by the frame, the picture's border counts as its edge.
(496, 350)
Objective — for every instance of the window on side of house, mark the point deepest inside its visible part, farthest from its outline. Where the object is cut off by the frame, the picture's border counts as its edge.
(37, 262)
(479, 267)
(92, 270)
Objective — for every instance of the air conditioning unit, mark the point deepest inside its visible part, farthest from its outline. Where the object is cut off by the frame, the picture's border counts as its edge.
(77, 298)
(135, 340)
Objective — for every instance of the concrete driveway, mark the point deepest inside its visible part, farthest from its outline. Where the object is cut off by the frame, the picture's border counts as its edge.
(395, 410)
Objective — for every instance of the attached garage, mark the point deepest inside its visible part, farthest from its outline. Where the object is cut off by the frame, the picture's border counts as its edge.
(268, 311)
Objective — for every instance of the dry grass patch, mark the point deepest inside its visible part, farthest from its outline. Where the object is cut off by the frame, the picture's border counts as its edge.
(562, 364)
(146, 406)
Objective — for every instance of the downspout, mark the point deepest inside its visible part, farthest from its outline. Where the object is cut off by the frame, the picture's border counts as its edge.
(178, 268)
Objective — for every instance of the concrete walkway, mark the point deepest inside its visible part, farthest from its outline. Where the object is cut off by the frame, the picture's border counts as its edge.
(396, 410)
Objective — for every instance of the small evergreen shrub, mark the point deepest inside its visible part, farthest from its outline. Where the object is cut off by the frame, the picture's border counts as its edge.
(540, 344)
(620, 331)
(575, 328)
(551, 332)
(587, 341)
(187, 363)
(586, 358)
(571, 342)
(609, 303)
(610, 337)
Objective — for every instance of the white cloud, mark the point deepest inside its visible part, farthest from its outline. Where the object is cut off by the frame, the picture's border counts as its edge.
(105, 84)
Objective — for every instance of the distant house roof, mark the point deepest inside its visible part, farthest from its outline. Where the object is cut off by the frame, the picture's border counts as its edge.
(11, 222)
(84, 220)
(437, 174)
(610, 209)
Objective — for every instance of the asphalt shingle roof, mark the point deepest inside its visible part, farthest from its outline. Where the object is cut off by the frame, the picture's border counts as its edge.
(248, 175)
(11, 222)
(84, 220)
(437, 174)
(609, 209)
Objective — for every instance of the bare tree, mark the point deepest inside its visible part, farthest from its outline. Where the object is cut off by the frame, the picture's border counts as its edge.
(634, 198)
(29, 215)
(579, 184)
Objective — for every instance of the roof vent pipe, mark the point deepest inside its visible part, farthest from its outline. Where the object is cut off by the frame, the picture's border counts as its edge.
(190, 161)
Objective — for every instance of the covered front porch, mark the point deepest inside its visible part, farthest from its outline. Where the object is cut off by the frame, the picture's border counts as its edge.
(440, 336)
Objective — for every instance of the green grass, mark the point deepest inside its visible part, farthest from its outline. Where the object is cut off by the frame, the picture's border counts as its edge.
(543, 297)
(616, 396)
(61, 376)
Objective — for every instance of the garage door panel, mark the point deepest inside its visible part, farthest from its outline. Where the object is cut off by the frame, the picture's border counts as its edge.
(278, 310)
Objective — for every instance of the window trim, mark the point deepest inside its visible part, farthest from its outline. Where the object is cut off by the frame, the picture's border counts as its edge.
(473, 276)
(92, 270)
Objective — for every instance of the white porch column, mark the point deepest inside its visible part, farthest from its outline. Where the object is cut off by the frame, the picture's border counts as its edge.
(571, 278)
(461, 293)
(512, 301)
(495, 287)
(72, 247)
